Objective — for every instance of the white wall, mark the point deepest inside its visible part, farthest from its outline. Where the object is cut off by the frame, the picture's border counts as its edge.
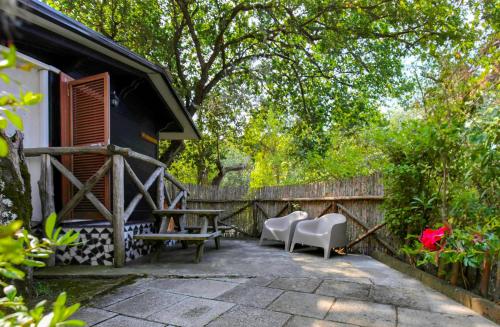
(35, 119)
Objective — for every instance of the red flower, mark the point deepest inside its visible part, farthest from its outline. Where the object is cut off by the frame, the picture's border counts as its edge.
(431, 237)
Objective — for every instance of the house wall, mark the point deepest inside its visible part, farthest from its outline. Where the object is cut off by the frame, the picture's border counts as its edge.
(36, 119)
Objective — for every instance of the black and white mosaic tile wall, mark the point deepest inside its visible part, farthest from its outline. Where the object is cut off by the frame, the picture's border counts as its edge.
(97, 245)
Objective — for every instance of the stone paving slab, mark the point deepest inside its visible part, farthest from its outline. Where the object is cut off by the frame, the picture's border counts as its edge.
(298, 321)
(251, 295)
(123, 321)
(118, 295)
(192, 312)
(304, 304)
(242, 316)
(260, 280)
(92, 316)
(206, 288)
(237, 280)
(307, 285)
(402, 297)
(146, 303)
(363, 313)
(343, 289)
(417, 318)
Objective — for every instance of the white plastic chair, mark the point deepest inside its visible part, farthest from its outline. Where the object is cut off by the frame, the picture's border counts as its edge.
(327, 232)
(282, 228)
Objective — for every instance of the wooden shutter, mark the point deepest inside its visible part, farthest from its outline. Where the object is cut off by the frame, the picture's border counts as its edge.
(89, 125)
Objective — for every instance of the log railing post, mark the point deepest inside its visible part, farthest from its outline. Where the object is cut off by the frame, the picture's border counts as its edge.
(46, 188)
(160, 200)
(118, 211)
(183, 219)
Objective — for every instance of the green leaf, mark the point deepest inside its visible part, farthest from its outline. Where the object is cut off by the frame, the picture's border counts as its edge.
(14, 118)
(4, 148)
(5, 78)
(72, 323)
(33, 263)
(50, 223)
(12, 273)
(10, 291)
(46, 320)
(3, 123)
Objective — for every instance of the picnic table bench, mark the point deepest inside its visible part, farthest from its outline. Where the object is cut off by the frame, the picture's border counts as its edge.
(199, 238)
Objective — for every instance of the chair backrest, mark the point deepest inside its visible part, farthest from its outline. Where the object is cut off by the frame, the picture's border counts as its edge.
(328, 220)
(296, 215)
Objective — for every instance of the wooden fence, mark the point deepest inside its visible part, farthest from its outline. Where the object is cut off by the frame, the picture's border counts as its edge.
(358, 199)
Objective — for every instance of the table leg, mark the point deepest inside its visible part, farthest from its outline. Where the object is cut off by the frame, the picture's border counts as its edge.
(199, 251)
(204, 227)
(215, 226)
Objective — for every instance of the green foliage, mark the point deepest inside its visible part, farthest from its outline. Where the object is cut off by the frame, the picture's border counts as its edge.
(320, 66)
(469, 246)
(443, 159)
(10, 103)
(19, 249)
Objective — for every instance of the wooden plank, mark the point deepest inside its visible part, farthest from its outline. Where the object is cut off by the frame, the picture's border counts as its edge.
(297, 199)
(278, 214)
(177, 236)
(65, 150)
(237, 211)
(262, 209)
(360, 223)
(178, 212)
(91, 197)
(46, 187)
(140, 186)
(160, 201)
(178, 198)
(135, 201)
(86, 188)
(167, 193)
(324, 211)
(220, 228)
(365, 235)
(118, 214)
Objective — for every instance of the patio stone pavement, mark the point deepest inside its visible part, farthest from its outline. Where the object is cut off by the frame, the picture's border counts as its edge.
(296, 284)
(246, 285)
(147, 303)
(361, 313)
(241, 316)
(250, 295)
(303, 304)
(343, 289)
(192, 312)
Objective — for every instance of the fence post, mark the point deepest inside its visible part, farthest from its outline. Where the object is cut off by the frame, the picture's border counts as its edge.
(118, 217)
(46, 187)
(255, 218)
(160, 200)
(183, 219)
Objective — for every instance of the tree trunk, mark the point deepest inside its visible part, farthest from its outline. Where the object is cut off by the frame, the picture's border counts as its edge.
(455, 273)
(16, 179)
(17, 188)
(485, 275)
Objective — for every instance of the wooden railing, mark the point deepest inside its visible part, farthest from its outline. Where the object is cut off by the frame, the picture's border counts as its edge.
(118, 164)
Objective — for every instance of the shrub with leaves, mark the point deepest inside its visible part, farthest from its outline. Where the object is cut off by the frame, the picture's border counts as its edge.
(468, 246)
(19, 249)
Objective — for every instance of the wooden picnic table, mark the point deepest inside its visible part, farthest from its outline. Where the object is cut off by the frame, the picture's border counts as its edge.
(209, 216)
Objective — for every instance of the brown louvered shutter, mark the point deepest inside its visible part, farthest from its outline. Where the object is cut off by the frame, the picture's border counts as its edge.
(89, 111)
